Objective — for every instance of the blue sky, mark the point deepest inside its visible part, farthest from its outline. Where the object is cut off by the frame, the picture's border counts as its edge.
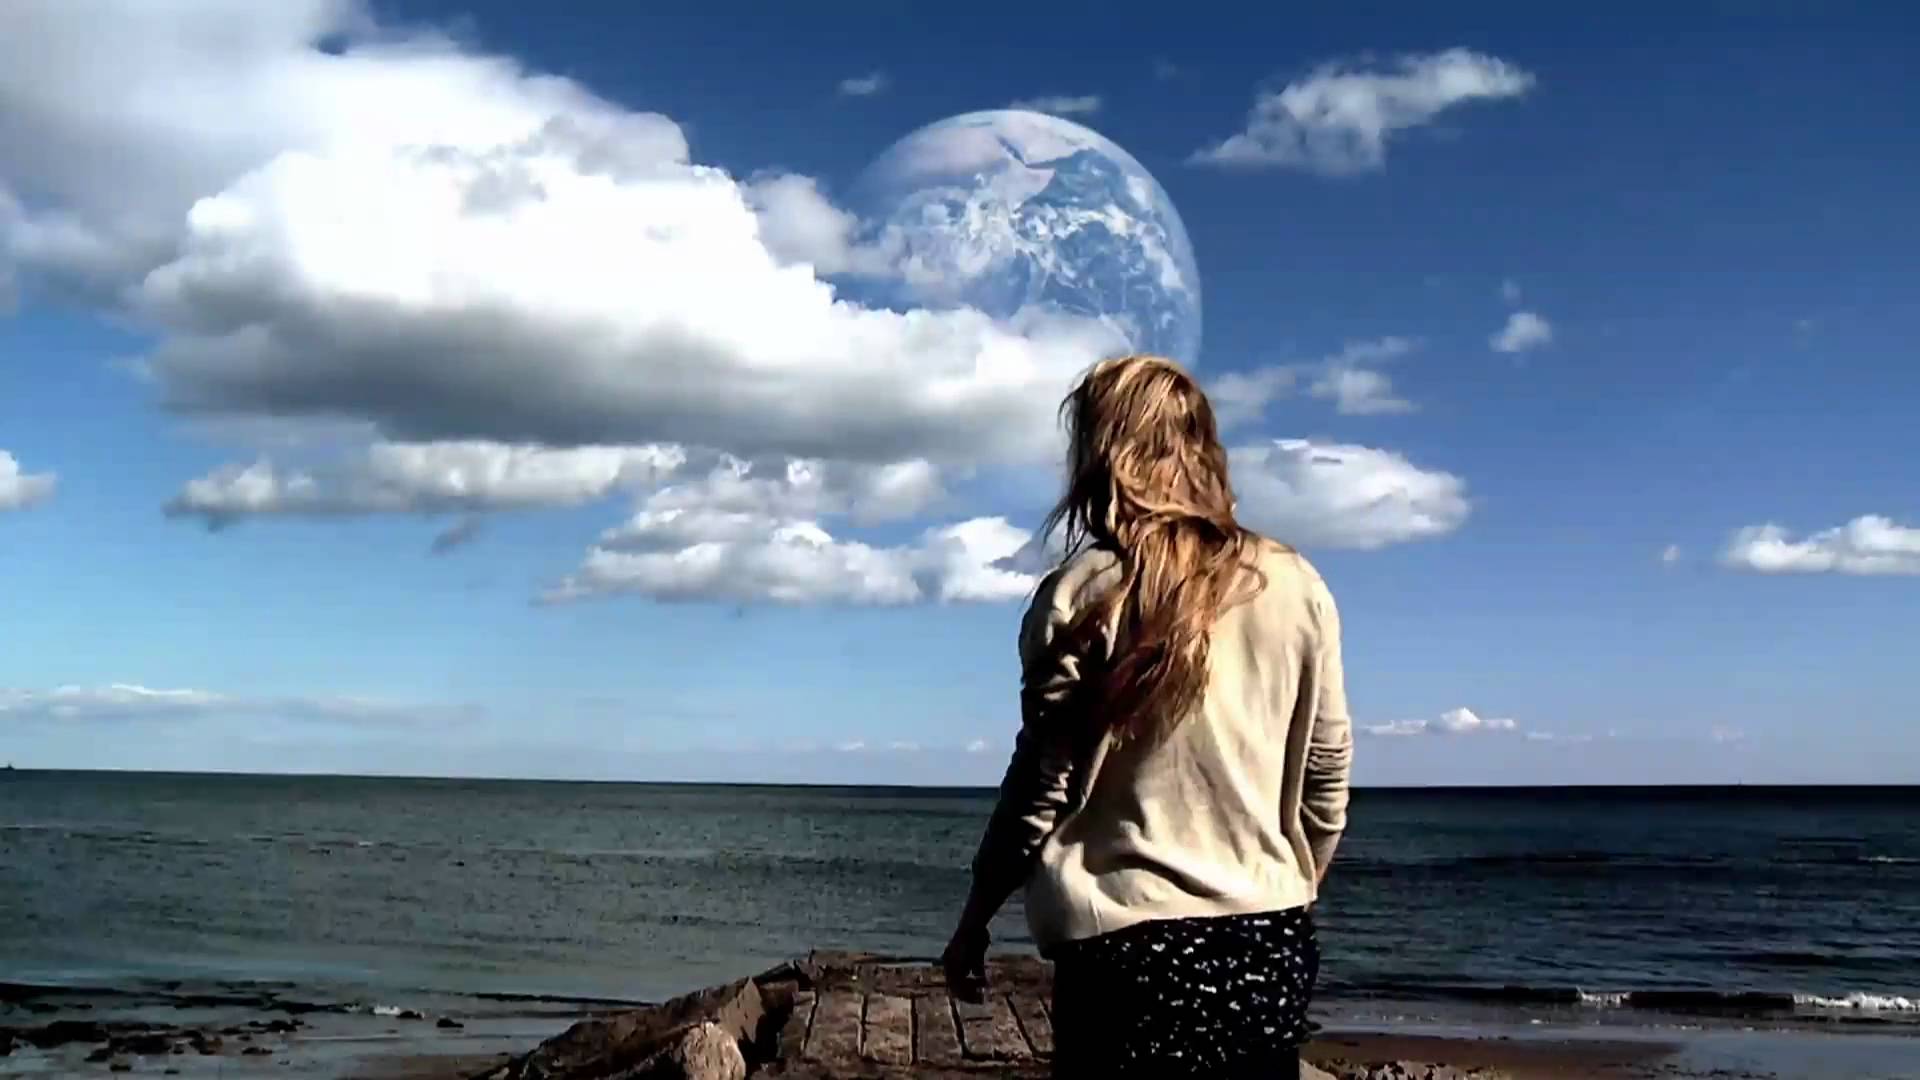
(1669, 531)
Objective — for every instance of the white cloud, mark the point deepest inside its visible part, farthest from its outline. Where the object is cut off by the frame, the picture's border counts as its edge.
(1349, 378)
(444, 246)
(864, 85)
(1338, 120)
(1725, 734)
(742, 536)
(1452, 722)
(1670, 555)
(131, 701)
(1510, 291)
(798, 490)
(440, 477)
(1060, 104)
(1337, 495)
(747, 559)
(977, 746)
(1242, 397)
(801, 226)
(1360, 392)
(1867, 545)
(20, 489)
(1524, 330)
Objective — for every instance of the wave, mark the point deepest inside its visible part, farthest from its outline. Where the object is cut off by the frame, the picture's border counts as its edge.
(1581, 861)
(1861, 1002)
(1753, 1004)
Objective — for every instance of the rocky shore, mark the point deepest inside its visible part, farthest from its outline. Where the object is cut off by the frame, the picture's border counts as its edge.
(831, 1016)
(840, 1016)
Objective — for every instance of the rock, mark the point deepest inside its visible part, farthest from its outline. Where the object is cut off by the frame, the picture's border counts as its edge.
(146, 1042)
(256, 1051)
(706, 1052)
(6, 1043)
(204, 1043)
(62, 1032)
(1399, 1070)
(100, 1055)
(121, 1066)
(616, 1045)
(449, 1022)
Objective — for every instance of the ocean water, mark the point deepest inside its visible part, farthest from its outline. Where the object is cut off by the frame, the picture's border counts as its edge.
(1796, 905)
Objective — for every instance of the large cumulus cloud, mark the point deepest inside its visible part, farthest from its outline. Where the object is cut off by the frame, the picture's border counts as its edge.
(526, 295)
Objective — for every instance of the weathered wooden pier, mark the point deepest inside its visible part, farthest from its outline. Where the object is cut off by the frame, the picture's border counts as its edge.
(831, 1016)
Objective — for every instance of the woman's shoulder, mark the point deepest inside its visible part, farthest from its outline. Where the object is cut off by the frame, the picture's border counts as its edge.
(1292, 572)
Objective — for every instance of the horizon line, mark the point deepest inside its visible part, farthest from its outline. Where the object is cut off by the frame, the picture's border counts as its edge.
(982, 788)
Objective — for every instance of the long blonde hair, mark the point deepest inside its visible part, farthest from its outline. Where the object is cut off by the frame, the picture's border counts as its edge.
(1147, 480)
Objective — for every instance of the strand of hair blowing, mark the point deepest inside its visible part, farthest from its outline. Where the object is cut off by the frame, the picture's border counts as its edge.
(1148, 480)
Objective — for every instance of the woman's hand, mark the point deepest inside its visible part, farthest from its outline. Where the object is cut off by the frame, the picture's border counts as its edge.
(965, 963)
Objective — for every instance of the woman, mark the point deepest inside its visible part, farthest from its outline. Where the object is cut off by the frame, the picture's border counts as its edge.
(1179, 782)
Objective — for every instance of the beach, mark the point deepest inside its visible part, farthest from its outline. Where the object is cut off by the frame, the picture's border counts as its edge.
(1761, 933)
(96, 1032)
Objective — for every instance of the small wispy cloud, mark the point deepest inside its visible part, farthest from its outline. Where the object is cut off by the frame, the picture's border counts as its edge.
(977, 746)
(1510, 291)
(1523, 332)
(456, 536)
(1670, 555)
(865, 85)
(1360, 392)
(1164, 69)
(1869, 545)
(1338, 120)
(20, 489)
(135, 702)
(1460, 721)
(1350, 378)
(1060, 104)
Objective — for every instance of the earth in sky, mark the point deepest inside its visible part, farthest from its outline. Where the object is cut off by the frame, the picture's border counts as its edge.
(1006, 209)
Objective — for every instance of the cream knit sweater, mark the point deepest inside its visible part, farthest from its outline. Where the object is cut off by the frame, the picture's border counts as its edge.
(1237, 810)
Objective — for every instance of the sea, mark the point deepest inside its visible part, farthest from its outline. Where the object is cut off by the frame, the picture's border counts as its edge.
(1605, 907)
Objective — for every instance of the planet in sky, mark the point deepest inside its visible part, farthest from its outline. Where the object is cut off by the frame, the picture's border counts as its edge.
(1005, 210)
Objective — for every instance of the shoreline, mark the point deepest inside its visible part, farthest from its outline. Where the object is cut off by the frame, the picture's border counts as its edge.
(211, 1028)
(446, 1048)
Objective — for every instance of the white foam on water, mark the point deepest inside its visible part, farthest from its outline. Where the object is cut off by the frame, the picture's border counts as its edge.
(1611, 1001)
(1860, 1002)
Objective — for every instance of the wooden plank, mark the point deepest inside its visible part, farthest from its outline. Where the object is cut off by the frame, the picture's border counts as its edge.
(889, 1033)
(988, 1030)
(835, 1036)
(936, 1041)
(1033, 1023)
(793, 1033)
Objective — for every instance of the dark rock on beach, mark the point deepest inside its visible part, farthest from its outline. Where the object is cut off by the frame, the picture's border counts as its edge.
(449, 1023)
(62, 1032)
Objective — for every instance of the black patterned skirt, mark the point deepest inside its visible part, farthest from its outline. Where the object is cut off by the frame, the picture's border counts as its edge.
(1223, 997)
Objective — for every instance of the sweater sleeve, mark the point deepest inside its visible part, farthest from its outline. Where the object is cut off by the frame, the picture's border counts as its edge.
(1037, 786)
(1330, 744)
